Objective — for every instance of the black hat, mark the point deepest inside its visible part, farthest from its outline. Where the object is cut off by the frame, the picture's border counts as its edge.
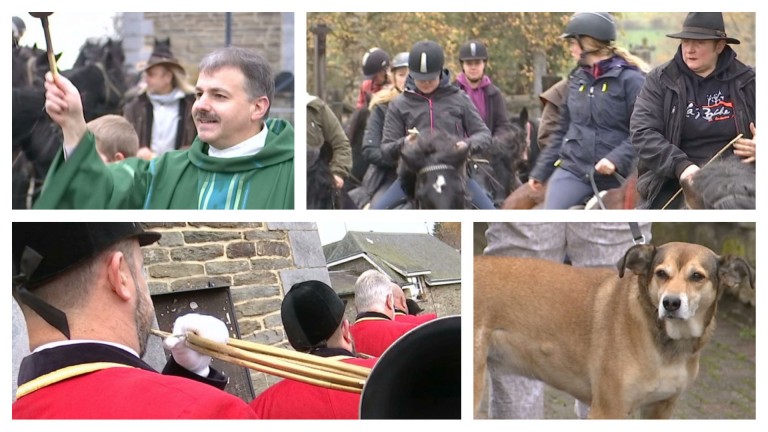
(413, 307)
(375, 60)
(44, 250)
(473, 50)
(704, 26)
(311, 313)
(425, 61)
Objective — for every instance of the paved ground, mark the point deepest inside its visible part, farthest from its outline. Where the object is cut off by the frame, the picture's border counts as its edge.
(725, 387)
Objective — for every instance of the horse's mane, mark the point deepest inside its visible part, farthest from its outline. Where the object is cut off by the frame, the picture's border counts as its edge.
(429, 149)
(355, 130)
(320, 185)
(723, 184)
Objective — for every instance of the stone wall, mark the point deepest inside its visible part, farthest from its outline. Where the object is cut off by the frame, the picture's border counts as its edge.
(258, 261)
(193, 35)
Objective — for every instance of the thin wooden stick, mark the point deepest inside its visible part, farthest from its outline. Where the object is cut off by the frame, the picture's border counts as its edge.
(738, 137)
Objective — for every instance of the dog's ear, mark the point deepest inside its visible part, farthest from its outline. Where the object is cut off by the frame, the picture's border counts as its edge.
(638, 259)
(732, 270)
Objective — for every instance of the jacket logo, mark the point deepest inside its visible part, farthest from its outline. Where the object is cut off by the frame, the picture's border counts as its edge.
(719, 111)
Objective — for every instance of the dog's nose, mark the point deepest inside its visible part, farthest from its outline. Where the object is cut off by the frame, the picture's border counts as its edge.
(671, 303)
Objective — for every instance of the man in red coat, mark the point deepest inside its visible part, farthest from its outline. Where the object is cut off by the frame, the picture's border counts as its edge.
(375, 328)
(401, 308)
(88, 313)
(313, 318)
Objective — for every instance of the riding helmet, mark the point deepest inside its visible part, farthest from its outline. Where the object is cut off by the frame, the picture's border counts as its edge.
(400, 60)
(18, 27)
(375, 61)
(473, 50)
(598, 25)
(426, 60)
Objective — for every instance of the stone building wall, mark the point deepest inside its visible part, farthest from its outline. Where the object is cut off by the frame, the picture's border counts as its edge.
(193, 35)
(258, 261)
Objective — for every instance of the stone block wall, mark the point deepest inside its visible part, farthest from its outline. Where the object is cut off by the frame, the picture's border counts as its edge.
(193, 35)
(258, 261)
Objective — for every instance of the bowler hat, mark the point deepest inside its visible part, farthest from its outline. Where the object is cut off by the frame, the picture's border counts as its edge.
(704, 26)
(311, 313)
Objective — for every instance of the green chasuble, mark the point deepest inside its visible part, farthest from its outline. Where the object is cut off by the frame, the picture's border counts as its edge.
(181, 179)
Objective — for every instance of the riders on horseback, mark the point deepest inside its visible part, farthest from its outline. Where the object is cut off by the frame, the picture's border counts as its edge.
(486, 97)
(431, 103)
(593, 133)
(375, 70)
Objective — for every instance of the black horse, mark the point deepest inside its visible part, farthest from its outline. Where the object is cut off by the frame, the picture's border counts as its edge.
(355, 130)
(321, 188)
(531, 152)
(496, 168)
(432, 172)
(36, 139)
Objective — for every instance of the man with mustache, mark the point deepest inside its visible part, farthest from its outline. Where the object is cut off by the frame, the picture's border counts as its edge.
(241, 159)
(86, 303)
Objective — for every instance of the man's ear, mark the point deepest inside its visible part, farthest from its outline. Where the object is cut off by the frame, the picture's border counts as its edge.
(119, 276)
(346, 332)
(119, 156)
(259, 108)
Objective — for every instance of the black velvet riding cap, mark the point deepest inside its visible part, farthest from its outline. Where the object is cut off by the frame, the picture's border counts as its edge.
(311, 313)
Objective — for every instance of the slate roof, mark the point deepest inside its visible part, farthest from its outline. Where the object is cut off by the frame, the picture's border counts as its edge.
(399, 255)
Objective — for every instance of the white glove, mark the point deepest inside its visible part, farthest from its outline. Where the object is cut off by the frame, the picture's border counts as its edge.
(204, 326)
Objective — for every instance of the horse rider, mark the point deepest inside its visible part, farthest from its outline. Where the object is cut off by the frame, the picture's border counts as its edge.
(376, 71)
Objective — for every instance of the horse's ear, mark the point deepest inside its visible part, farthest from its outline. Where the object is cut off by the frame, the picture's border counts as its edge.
(523, 117)
(58, 56)
(34, 47)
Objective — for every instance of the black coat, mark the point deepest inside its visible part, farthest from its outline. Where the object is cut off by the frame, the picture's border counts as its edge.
(657, 124)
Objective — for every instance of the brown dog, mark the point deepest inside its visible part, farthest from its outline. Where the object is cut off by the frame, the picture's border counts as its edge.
(617, 342)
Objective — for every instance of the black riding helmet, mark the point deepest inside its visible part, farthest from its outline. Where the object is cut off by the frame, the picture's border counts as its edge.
(473, 50)
(375, 61)
(598, 25)
(426, 60)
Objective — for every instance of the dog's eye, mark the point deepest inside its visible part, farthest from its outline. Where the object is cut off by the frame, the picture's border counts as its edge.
(661, 274)
(697, 277)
